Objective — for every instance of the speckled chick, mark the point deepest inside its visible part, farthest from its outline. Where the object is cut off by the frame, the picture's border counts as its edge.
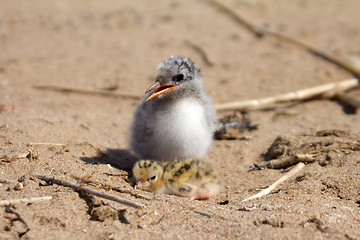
(175, 119)
(187, 178)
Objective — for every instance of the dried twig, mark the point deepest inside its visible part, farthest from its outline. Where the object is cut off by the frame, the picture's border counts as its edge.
(79, 187)
(45, 144)
(8, 158)
(247, 209)
(86, 91)
(266, 191)
(261, 31)
(207, 214)
(138, 220)
(24, 200)
(114, 188)
(9, 209)
(160, 219)
(288, 161)
(201, 51)
(327, 90)
(353, 102)
(254, 207)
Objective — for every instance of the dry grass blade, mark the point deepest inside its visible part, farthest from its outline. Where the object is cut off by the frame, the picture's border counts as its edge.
(86, 91)
(24, 200)
(138, 220)
(327, 90)
(266, 191)
(201, 51)
(108, 187)
(45, 144)
(79, 187)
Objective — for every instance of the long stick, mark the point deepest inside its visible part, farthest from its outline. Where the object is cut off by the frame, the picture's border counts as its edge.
(260, 32)
(266, 191)
(79, 187)
(318, 52)
(289, 161)
(330, 89)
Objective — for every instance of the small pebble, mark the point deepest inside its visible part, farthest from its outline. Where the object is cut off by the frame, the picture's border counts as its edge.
(22, 178)
(18, 186)
(226, 202)
(141, 226)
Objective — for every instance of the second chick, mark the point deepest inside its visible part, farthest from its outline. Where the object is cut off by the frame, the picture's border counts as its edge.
(187, 177)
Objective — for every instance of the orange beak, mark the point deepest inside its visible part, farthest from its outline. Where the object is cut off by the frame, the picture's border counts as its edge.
(142, 185)
(160, 89)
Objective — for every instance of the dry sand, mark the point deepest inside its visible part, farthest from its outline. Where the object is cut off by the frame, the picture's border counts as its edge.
(98, 45)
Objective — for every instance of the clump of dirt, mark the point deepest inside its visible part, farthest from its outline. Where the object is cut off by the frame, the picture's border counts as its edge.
(325, 147)
(99, 211)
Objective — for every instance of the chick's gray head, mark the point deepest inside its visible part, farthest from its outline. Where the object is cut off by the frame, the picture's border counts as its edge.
(176, 70)
(176, 74)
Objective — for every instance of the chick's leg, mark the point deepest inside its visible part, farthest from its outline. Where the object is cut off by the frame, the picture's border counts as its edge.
(202, 196)
(182, 189)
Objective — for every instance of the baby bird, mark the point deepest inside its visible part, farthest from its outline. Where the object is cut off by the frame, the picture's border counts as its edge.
(175, 119)
(187, 178)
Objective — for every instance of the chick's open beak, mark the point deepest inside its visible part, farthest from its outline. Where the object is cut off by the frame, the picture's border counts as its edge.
(160, 89)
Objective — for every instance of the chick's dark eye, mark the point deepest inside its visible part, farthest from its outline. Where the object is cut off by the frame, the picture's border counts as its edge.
(178, 78)
(152, 177)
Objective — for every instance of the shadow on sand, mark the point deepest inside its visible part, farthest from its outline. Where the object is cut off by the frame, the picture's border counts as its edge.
(120, 158)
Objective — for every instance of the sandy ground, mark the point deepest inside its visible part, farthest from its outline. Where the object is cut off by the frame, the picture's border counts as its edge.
(98, 45)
